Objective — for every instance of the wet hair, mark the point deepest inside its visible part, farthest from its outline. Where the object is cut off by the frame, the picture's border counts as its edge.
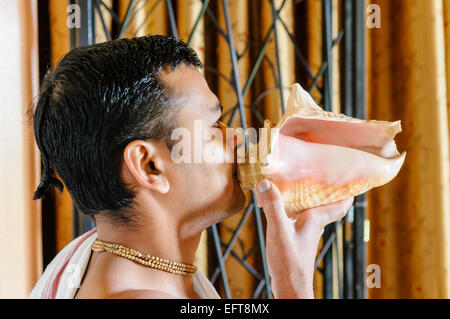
(97, 100)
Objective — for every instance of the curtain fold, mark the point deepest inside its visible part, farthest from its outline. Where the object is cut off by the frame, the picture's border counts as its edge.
(410, 215)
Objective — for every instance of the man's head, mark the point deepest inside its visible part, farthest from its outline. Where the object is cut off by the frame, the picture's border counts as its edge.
(103, 122)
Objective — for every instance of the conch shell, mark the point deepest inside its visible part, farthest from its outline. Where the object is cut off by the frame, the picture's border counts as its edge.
(317, 157)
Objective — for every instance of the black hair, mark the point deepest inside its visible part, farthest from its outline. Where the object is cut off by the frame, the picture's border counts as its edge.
(98, 99)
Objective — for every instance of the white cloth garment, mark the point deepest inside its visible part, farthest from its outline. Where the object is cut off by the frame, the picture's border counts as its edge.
(63, 275)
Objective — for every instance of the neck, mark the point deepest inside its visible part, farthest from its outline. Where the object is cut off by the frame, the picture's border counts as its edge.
(155, 235)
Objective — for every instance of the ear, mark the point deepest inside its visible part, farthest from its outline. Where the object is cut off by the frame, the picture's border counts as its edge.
(144, 163)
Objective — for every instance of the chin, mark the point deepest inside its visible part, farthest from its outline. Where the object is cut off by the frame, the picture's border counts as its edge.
(233, 199)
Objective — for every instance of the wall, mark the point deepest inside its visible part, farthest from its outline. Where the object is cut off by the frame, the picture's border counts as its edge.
(20, 238)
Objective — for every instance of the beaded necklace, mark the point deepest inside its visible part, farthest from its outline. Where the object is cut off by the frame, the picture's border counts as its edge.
(146, 260)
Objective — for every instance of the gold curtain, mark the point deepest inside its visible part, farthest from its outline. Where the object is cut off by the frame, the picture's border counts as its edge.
(408, 81)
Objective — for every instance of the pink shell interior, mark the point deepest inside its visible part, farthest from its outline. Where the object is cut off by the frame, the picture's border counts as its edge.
(319, 157)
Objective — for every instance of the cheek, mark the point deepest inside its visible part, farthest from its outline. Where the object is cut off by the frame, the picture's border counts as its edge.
(220, 159)
(215, 147)
(205, 177)
(215, 152)
(212, 176)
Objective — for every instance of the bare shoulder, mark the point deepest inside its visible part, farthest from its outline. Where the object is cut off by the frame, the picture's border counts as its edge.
(142, 294)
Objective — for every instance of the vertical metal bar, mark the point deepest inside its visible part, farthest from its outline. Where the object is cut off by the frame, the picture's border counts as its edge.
(360, 253)
(347, 58)
(338, 261)
(262, 247)
(359, 59)
(73, 33)
(327, 102)
(347, 107)
(223, 271)
(359, 257)
(277, 50)
(348, 254)
(328, 263)
(86, 35)
(173, 23)
(326, 54)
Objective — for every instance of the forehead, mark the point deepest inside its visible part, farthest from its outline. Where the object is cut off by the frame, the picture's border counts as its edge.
(190, 90)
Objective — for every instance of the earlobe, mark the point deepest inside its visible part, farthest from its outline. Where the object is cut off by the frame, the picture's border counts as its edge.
(158, 180)
(162, 183)
(141, 160)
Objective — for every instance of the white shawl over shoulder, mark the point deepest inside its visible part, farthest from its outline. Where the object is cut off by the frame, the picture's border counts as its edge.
(62, 277)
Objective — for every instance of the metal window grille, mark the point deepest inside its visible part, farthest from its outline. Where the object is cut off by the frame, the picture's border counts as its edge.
(349, 279)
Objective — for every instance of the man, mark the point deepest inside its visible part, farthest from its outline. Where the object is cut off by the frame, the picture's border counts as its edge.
(103, 122)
